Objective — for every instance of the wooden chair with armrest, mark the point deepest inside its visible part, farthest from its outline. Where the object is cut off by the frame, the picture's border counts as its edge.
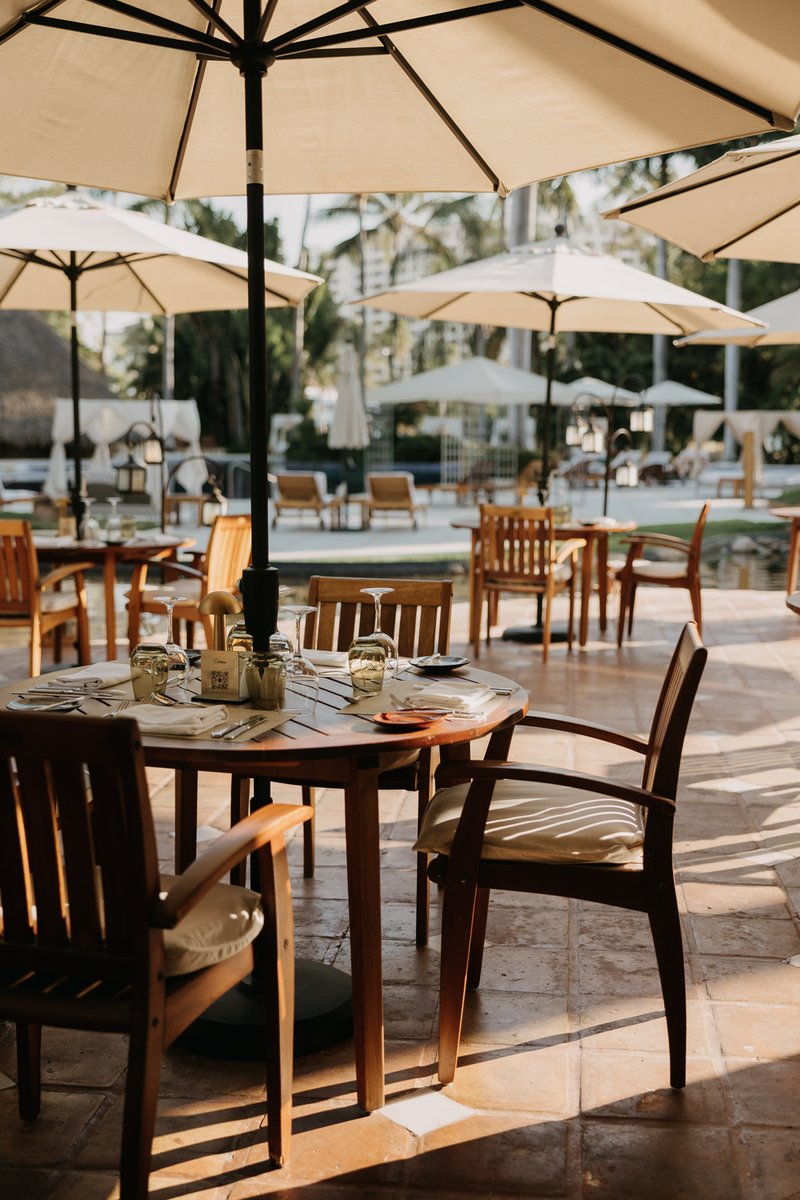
(682, 571)
(36, 601)
(522, 828)
(90, 940)
(218, 568)
(518, 553)
(417, 615)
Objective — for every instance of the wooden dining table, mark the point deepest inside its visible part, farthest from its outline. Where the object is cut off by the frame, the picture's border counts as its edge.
(108, 556)
(348, 751)
(595, 535)
(791, 513)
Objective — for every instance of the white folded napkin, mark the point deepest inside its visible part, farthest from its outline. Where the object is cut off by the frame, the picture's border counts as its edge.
(458, 699)
(98, 675)
(327, 660)
(181, 720)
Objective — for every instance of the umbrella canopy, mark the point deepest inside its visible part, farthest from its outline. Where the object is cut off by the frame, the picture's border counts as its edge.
(388, 95)
(349, 429)
(606, 392)
(671, 394)
(745, 204)
(781, 318)
(73, 253)
(471, 381)
(554, 287)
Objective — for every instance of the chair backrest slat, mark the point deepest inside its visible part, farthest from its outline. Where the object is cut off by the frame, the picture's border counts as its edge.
(15, 893)
(229, 547)
(517, 542)
(74, 808)
(18, 567)
(697, 535)
(672, 712)
(416, 613)
(40, 817)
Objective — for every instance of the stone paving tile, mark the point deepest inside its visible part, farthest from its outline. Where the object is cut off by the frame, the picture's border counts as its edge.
(626, 1160)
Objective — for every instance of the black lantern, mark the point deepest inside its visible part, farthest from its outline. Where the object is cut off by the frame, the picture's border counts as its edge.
(215, 505)
(132, 477)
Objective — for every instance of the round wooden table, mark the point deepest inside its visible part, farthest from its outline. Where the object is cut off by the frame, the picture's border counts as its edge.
(346, 751)
(108, 555)
(793, 602)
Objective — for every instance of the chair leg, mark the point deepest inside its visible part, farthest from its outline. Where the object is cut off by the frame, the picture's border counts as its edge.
(631, 606)
(275, 951)
(309, 832)
(84, 647)
(29, 1070)
(427, 764)
(548, 619)
(478, 939)
(666, 930)
(35, 655)
(457, 916)
(141, 1099)
(190, 635)
(240, 806)
(57, 643)
(571, 617)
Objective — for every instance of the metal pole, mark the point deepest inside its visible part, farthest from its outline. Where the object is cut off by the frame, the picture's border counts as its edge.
(77, 497)
(259, 584)
(551, 362)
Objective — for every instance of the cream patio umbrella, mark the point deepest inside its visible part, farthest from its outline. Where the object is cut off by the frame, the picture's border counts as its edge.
(471, 381)
(556, 287)
(349, 428)
(745, 204)
(781, 319)
(369, 95)
(72, 253)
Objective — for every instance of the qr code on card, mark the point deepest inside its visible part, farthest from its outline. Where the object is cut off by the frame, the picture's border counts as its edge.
(220, 681)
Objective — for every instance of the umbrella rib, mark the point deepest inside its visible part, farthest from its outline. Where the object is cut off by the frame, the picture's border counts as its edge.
(438, 108)
(125, 35)
(211, 13)
(290, 36)
(266, 19)
(23, 264)
(23, 20)
(776, 120)
(183, 141)
(692, 185)
(150, 18)
(378, 30)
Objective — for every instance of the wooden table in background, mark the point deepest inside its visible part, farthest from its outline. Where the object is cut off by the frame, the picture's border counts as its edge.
(592, 535)
(347, 751)
(108, 555)
(793, 515)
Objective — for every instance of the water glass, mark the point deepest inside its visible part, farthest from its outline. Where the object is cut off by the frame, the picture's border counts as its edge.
(366, 661)
(149, 670)
(239, 639)
(265, 679)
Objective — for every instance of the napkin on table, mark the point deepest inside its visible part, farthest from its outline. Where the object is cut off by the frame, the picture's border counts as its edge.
(181, 720)
(459, 699)
(327, 660)
(98, 675)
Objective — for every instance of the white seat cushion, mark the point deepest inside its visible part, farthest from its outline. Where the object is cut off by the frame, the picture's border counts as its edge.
(535, 823)
(222, 924)
(659, 570)
(58, 601)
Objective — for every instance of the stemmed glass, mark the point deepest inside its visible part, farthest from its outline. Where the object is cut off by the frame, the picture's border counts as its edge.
(114, 522)
(302, 677)
(179, 665)
(383, 639)
(90, 530)
(279, 643)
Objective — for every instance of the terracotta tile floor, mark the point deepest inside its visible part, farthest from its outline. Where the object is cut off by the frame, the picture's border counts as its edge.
(563, 1067)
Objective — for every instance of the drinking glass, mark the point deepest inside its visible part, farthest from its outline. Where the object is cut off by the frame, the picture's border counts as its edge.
(366, 662)
(114, 522)
(302, 677)
(383, 639)
(149, 670)
(90, 528)
(279, 643)
(179, 665)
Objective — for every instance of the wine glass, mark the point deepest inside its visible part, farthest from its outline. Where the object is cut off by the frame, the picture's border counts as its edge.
(90, 528)
(279, 643)
(114, 522)
(302, 677)
(179, 665)
(383, 639)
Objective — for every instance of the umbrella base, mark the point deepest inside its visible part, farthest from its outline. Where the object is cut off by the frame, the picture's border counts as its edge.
(532, 634)
(233, 1026)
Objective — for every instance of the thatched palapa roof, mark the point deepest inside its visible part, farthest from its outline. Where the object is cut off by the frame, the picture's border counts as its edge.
(34, 371)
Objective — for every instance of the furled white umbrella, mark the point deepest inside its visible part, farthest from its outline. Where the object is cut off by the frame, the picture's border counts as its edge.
(471, 381)
(214, 98)
(71, 252)
(781, 318)
(745, 204)
(349, 429)
(555, 287)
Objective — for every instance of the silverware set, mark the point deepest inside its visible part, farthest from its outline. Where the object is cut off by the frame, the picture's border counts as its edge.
(230, 732)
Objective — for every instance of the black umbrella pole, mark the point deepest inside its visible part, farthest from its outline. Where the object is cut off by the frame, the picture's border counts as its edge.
(77, 487)
(548, 403)
(260, 581)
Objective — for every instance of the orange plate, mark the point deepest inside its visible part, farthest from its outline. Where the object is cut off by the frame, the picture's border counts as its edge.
(408, 719)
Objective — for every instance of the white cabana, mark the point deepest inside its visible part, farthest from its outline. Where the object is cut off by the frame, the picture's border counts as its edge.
(106, 421)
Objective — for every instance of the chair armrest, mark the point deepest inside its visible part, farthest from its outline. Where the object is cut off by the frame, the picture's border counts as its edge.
(527, 772)
(603, 733)
(658, 539)
(59, 573)
(248, 835)
(568, 548)
(179, 568)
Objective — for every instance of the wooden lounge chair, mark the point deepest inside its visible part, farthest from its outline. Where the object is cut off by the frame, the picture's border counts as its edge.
(390, 492)
(302, 492)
